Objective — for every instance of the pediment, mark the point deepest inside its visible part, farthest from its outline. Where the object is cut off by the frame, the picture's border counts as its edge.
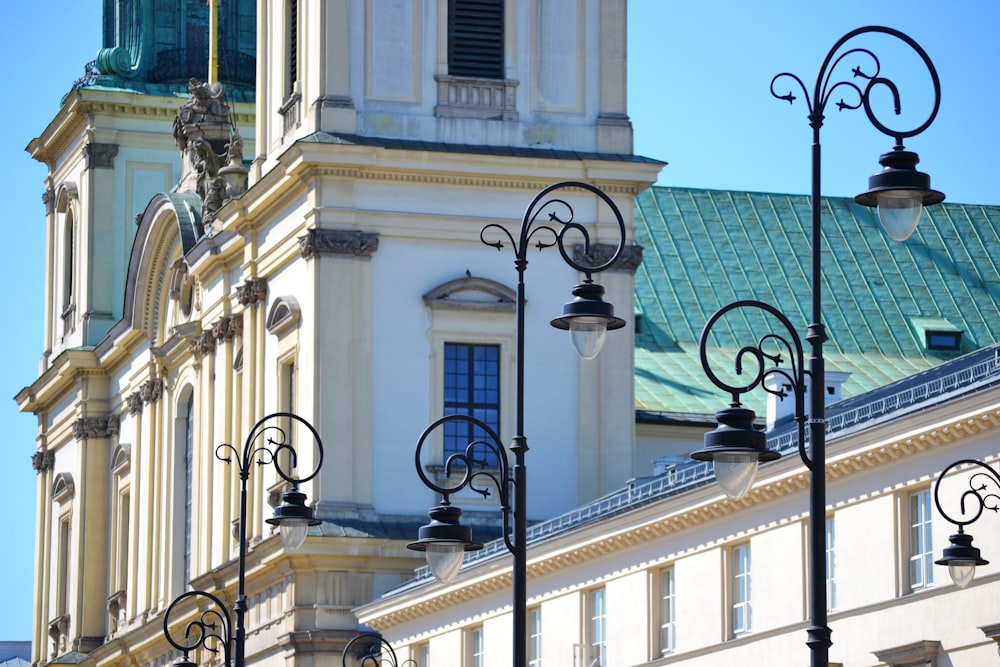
(471, 293)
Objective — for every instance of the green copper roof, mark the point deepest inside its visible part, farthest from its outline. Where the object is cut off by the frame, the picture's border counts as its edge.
(703, 249)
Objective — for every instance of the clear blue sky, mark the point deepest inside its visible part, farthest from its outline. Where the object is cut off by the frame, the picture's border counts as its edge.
(699, 75)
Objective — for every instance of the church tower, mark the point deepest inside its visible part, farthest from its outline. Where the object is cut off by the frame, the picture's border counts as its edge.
(307, 240)
(109, 149)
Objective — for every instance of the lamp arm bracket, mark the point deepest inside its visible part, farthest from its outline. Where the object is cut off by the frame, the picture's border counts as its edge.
(983, 493)
(469, 464)
(827, 83)
(762, 358)
(211, 627)
(543, 217)
(268, 438)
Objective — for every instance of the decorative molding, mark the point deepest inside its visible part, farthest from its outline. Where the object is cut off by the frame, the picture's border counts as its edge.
(121, 458)
(284, 315)
(117, 610)
(100, 156)
(480, 294)
(49, 201)
(134, 403)
(691, 516)
(228, 328)
(59, 633)
(95, 427)
(484, 99)
(252, 291)
(43, 461)
(63, 487)
(203, 344)
(151, 390)
(338, 242)
(600, 253)
(923, 653)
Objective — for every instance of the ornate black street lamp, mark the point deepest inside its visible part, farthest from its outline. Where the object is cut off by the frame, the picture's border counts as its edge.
(269, 442)
(370, 650)
(588, 317)
(984, 492)
(900, 192)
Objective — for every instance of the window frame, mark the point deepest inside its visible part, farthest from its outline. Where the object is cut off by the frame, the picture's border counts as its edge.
(665, 607)
(534, 642)
(919, 540)
(740, 589)
(470, 405)
(596, 625)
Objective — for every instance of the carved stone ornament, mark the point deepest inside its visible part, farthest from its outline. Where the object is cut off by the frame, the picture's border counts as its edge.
(43, 461)
(151, 390)
(134, 403)
(338, 242)
(203, 344)
(49, 201)
(100, 156)
(95, 427)
(228, 328)
(629, 260)
(252, 292)
(211, 148)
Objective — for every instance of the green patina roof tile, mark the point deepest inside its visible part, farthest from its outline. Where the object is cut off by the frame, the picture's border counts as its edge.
(706, 248)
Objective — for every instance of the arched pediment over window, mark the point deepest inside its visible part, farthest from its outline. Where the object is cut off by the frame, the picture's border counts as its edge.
(121, 458)
(65, 195)
(284, 315)
(62, 487)
(470, 293)
(168, 229)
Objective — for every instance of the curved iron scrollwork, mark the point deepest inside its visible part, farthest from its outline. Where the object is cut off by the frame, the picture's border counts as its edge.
(210, 629)
(542, 234)
(771, 355)
(268, 439)
(983, 494)
(825, 84)
(472, 467)
(368, 649)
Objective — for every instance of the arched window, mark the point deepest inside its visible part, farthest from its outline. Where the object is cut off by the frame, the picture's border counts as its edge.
(68, 265)
(188, 419)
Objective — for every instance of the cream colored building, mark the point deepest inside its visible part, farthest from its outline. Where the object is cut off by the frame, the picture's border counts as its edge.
(182, 309)
(669, 572)
(183, 305)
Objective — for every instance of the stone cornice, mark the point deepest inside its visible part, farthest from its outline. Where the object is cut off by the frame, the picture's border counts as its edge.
(421, 603)
(95, 427)
(338, 242)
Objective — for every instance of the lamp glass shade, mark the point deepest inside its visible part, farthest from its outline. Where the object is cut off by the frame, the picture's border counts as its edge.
(587, 334)
(962, 572)
(735, 472)
(899, 212)
(293, 533)
(445, 560)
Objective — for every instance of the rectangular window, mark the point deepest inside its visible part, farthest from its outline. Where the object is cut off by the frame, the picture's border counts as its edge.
(668, 611)
(475, 38)
(921, 551)
(534, 637)
(831, 566)
(292, 46)
(476, 655)
(741, 589)
(471, 387)
(597, 640)
(62, 584)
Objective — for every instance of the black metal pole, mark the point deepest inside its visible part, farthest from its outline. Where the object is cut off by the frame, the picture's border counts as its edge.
(819, 632)
(519, 447)
(240, 608)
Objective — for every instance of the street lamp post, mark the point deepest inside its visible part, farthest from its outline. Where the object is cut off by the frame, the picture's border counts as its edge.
(899, 191)
(485, 464)
(269, 442)
(984, 494)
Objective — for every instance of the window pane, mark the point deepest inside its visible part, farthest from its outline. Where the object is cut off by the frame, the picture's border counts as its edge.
(471, 387)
